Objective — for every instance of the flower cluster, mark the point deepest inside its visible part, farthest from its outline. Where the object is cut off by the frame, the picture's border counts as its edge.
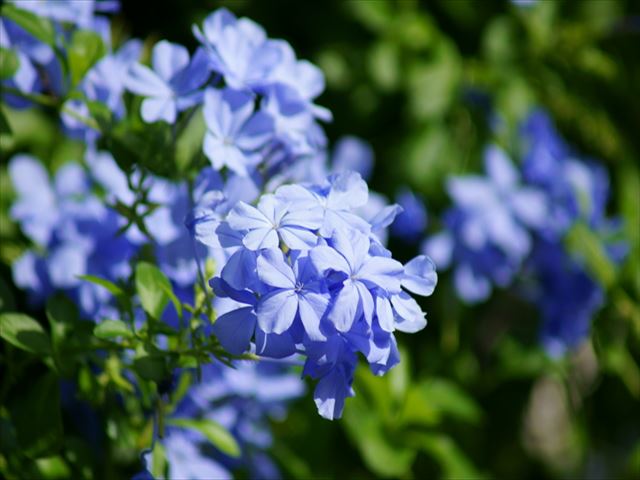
(77, 232)
(310, 276)
(262, 119)
(510, 222)
(488, 229)
(242, 400)
(40, 64)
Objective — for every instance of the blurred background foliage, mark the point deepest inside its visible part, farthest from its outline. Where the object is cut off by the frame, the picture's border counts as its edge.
(429, 84)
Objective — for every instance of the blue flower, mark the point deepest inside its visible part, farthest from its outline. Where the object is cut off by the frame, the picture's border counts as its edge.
(236, 133)
(272, 221)
(566, 296)
(306, 274)
(238, 49)
(488, 230)
(242, 400)
(78, 233)
(411, 223)
(349, 254)
(576, 189)
(104, 83)
(81, 14)
(297, 291)
(173, 84)
(352, 154)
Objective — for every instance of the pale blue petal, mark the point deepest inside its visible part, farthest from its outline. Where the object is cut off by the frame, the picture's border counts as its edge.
(235, 329)
(274, 270)
(312, 307)
(277, 310)
(420, 276)
(345, 307)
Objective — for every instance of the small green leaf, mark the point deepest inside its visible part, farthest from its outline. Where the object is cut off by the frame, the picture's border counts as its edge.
(154, 290)
(39, 27)
(452, 460)
(111, 287)
(150, 367)
(24, 332)
(215, 433)
(52, 468)
(110, 329)
(36, 416)
(584, 242)
(7, 302)
(85, 50)
(4, 123)
(9, 63)
(431, 399)
(158, 461)
(64, 321)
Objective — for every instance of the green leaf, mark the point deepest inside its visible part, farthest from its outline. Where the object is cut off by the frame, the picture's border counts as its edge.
(25, 333)
(51, 468)
(382, 455)
(9, 63)
(110, 329)
(153, 288)
(150, 367)
(584, 241)
(36, 416)
(85, 49)
(452, 460)
(158, 461)
(7, 302)
(4, 123)
(215, 433)
(39, 27)
(433, 85)
(434, 398)
(111, 287)
(189, 143)
(64, 321)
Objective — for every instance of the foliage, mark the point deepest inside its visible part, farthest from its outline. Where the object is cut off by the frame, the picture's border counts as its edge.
(118, 355)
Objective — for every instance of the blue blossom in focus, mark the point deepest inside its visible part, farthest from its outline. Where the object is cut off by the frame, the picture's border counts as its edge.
(309, 276)
(173, 84)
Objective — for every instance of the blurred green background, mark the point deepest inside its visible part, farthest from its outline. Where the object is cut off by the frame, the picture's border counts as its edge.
(475, 395)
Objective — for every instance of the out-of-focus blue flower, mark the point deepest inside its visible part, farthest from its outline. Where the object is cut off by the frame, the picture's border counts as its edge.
(576, 189)
(309, 276)
(238, 49)
(173, 84)
(411, 223)
(566, 296)
(39, 67)
(488, 233)
(352, 154)
(104, 83)
(77, 231)
(242, 400)
(236, 133)
(80, 13)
